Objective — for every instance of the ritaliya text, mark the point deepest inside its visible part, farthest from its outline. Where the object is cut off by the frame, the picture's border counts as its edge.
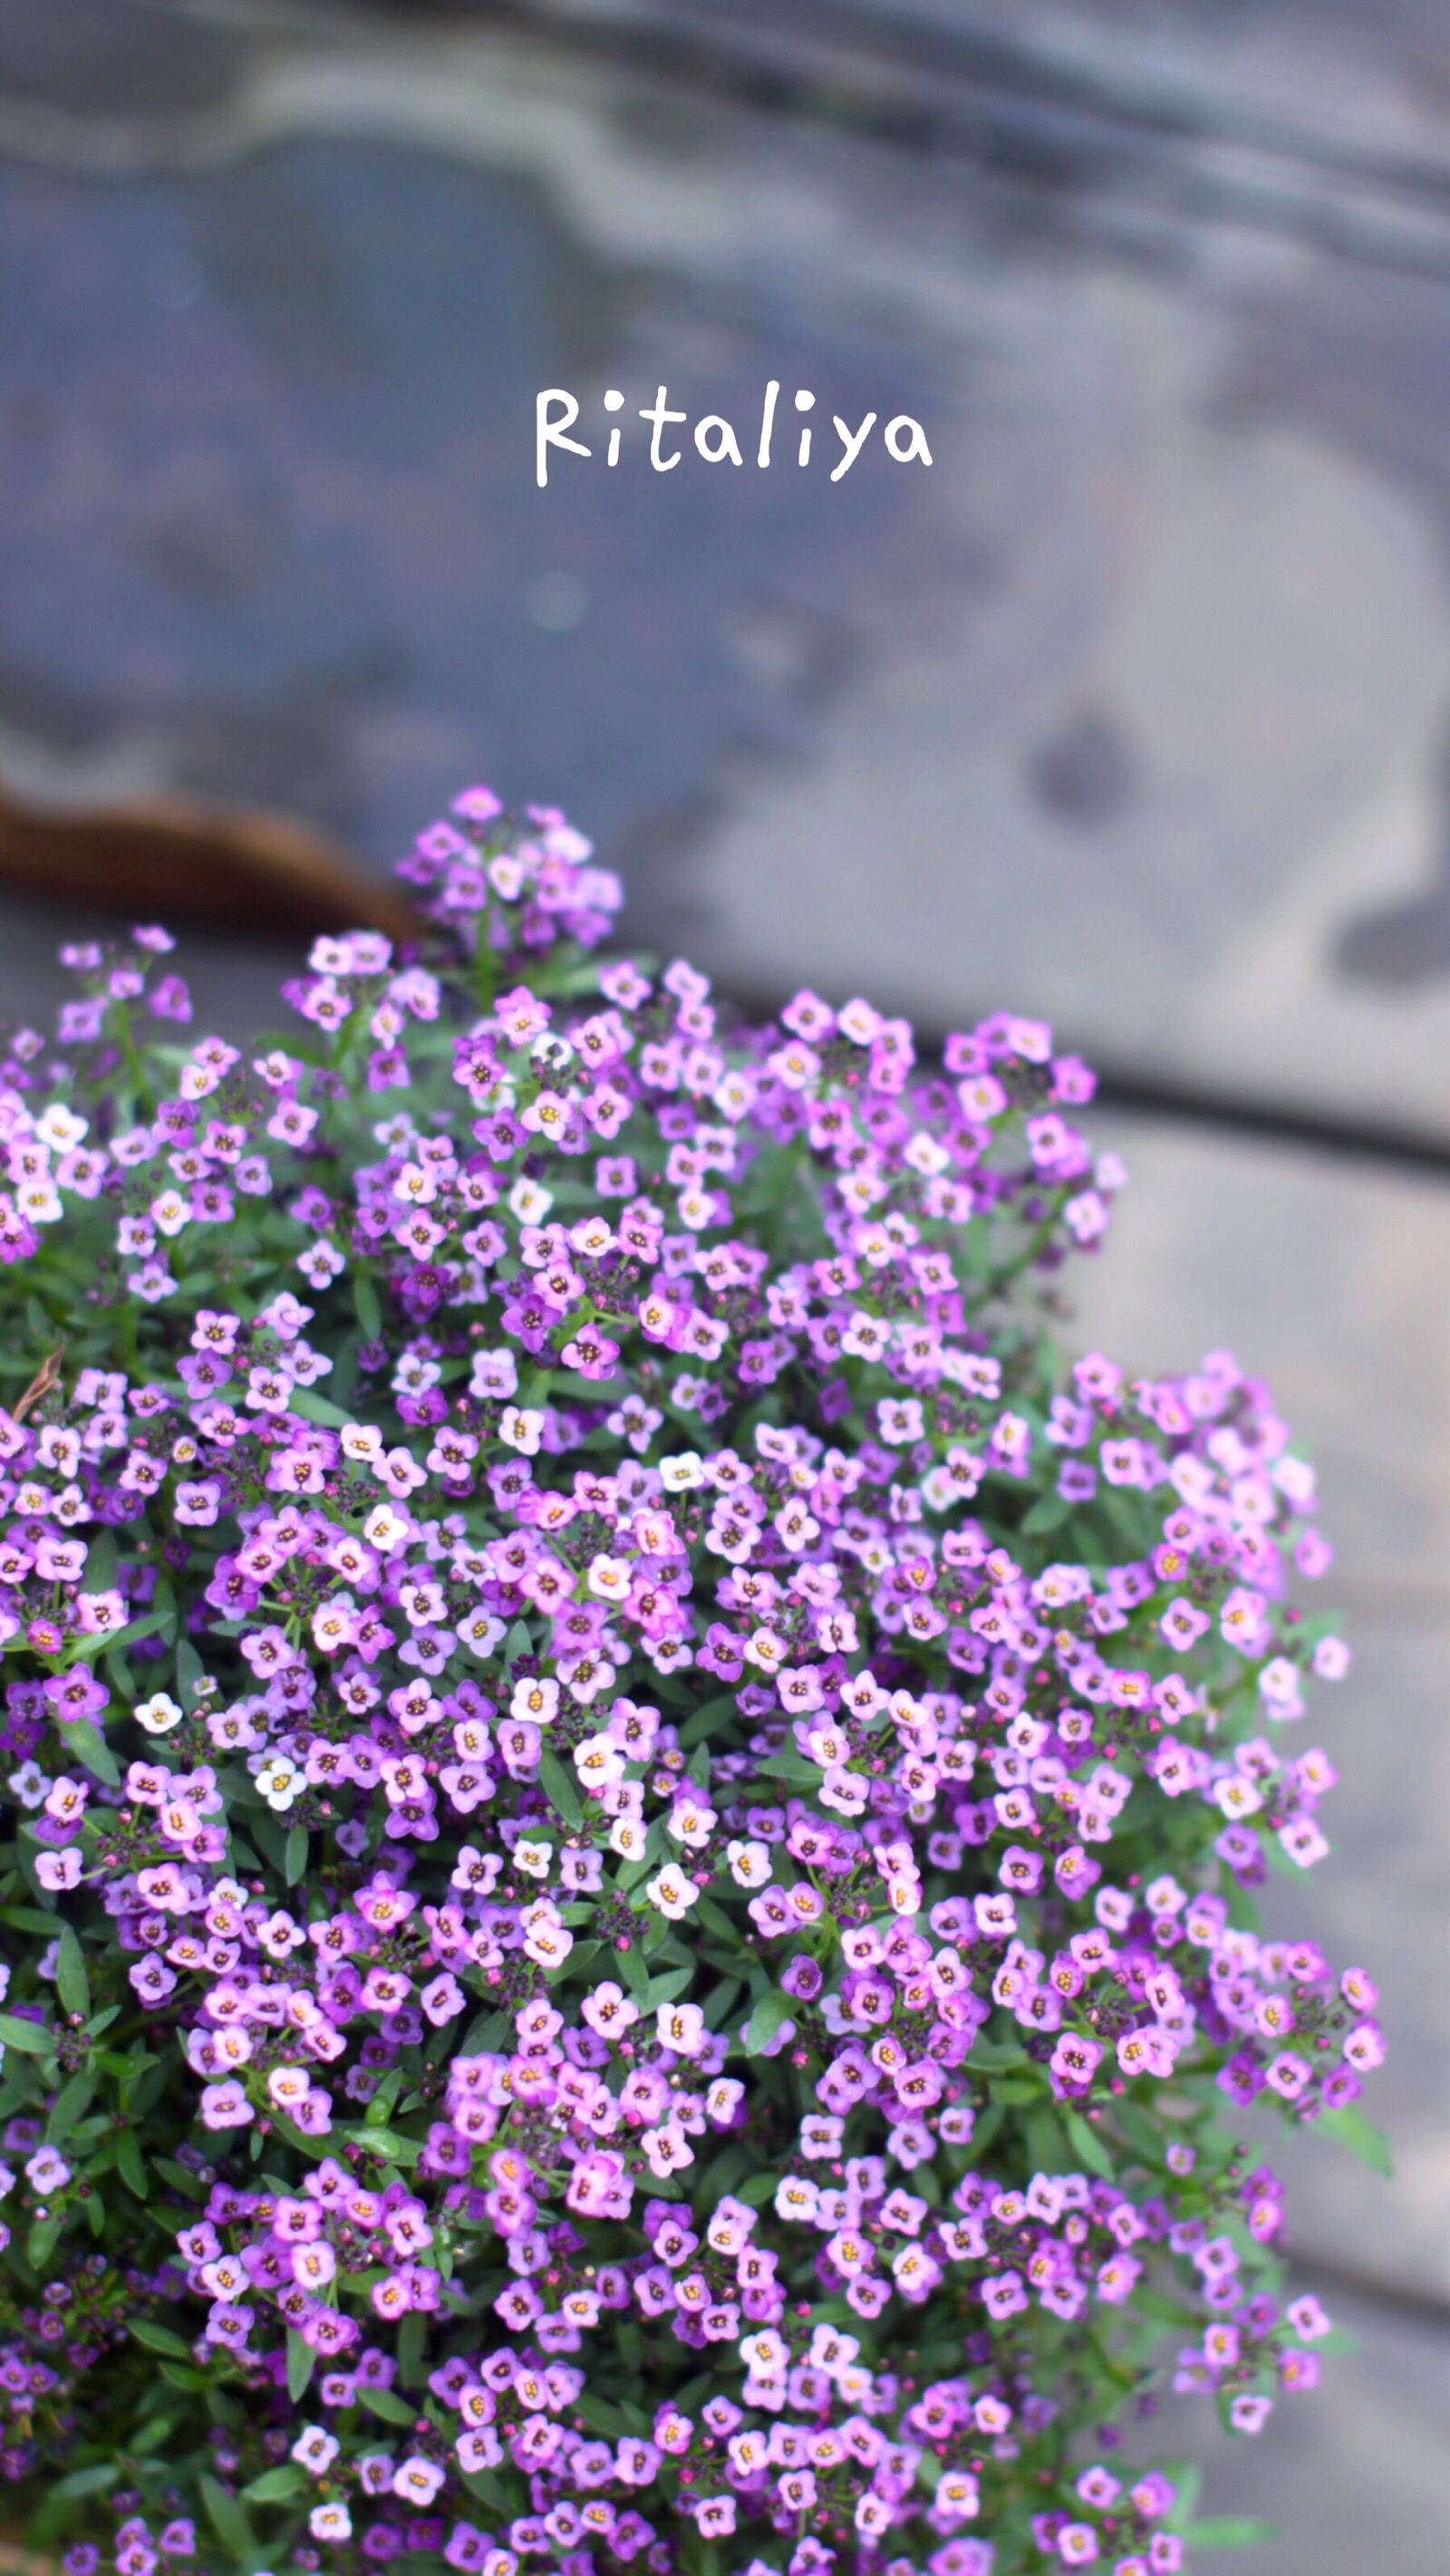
(714, 437)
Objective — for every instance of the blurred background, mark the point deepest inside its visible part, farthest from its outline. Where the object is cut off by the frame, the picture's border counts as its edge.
(1133, 712)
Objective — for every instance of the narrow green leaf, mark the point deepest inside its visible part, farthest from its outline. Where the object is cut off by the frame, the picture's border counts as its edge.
(1087, 2144)
(27, 2038)
(84, 2482)
(181, 2178)
(772, 2009)
(392, 2147)
(71, 1982)
(42, 2242)
(757, 2189)
(90, 1748)
(482, 2482)
(229, 2521)
(1139, 2131)
(131, 2164)
(793, 1768)
(600, 2416)
(159, 2338)
(316, 1408)
(189, 1670)
(298, 1840)
(412, 2342)
(560, 1790)
(1363, 2139)
(636, 1971)
(114, 1641)
(388, 2408)
(1013, 2090)
(301, 2362)
(275, 2486)
(71, 2104)
(369, 1312)
(706, 1720)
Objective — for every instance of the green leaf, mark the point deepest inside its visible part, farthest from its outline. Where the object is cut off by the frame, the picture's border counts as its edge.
(387, 2144)
(115, 1640)
(715, 1713)
(390, 2409)
(636, 1971)
(30, 1918)
(792, 1768)
(90, 1748)
(412, 2343)
(1087, 2144)
(84, 2482)
(600, 2416)
(42, 2242)
(1363, 2139)
(317, 1408)
(1229, 2531)
(131, 2164)
(71, 1982)
(757, 2189)
(159, 2338)
(369, 1312)
(189, 1671)
(27, 2038)
(1047, 1513)
(301, 2362)
(559, 1789)
(274, 2486)
(711, 1918)
(1139, 2131)
(663, 1990)
(228, 2521)
(71, 2104)
(181, 2178)
(483, 2484)
(772, 2009)
(295, 1858)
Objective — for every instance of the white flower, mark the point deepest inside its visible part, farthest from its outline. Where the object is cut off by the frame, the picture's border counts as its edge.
(679, 1474)
(522, 1428)
(60, 1127)
(530, 1202)
(315, 2448)
(495, 1373)
(280, 1782)
(672, 1893)
(158, 1714)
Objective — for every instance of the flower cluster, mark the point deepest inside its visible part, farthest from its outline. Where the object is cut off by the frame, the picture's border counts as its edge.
(633, 1819)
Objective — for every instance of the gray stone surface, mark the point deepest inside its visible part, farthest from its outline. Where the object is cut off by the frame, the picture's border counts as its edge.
(1133, 710)
(1327, 1277)
(1351, 2475)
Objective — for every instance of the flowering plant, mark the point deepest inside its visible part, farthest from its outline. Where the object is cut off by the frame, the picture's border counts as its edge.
(631, 1822)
